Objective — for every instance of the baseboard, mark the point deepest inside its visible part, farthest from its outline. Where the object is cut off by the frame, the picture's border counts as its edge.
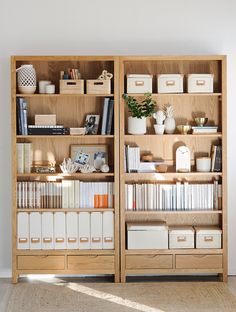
(5, 273)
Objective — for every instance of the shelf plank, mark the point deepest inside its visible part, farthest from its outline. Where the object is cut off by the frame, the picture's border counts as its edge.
(160, 176)
(173, 251)
(65, 209)
(133, 213)
(82, 137)
(62, 95)
(93, 175)
(177, 94)
(65, 252)
(182, 136)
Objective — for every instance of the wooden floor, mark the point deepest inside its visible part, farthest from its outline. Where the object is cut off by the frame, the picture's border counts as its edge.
(142, 294)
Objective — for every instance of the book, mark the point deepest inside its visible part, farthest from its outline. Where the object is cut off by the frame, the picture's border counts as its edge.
(20, 157)
(204, 129)
(27, 157)
(148, 166)
(110, 117)
(48, 131)
(105, 115)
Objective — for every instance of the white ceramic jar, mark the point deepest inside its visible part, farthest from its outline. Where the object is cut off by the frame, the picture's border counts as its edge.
(26, 79)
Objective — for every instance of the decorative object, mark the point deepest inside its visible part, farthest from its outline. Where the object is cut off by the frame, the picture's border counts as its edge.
(200, 121)
(159, 129)
(200, 83)
(45, 169)
(69, 166)
(77, 131)
(101, 85)
(161, 168)
(169, 83)
(169, 121)
(139, 111)
(147, 157)
(137, 83)
(159, 116)
(203, 164)
(86, 168)
(91, 124)
(50, 89)
(94, 155)
(183, 163)
(104, 168)
(184, 129)
(26, 78)
(42, 85)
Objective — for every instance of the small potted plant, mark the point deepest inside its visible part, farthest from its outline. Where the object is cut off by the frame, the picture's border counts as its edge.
(139, 112)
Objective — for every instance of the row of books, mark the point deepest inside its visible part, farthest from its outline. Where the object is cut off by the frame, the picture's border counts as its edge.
(24, 157)
(107, 116)
(65, 194)
(172, 197)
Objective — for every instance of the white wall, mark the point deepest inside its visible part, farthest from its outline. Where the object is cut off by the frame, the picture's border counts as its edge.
(112, 27)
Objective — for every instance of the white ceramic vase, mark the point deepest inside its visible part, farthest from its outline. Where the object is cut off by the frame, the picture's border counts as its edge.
(26, 79)
(137, 125)
(169, 125)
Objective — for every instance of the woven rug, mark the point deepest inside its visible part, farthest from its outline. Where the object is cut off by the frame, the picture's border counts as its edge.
(64, 296)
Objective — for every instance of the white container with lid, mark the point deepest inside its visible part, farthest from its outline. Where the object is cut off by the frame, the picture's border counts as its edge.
(170, 83)
(200, 83)
(208, 237)
(181, 237)
(139, 83)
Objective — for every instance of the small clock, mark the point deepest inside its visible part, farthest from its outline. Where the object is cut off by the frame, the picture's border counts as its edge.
(183, 163)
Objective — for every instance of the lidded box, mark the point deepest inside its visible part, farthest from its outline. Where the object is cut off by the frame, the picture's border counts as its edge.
(139, 83)
(208, 237)
(200, 83)
(181, 237)
(149, 235)
(170, 83)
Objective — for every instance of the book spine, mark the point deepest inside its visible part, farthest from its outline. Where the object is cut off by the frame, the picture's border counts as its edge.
(110, 116)
(27, 157)
(20, 157)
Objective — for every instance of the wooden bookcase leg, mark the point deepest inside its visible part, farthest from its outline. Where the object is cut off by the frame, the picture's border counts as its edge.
(15, 277)
(223, 277)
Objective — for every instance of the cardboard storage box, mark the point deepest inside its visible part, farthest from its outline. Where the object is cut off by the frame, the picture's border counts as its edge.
(169, 83)
(208, 237)
(98, 86)
(72, 86)
(139, 83)
(152, 235)
(200, 83)
(181, 237)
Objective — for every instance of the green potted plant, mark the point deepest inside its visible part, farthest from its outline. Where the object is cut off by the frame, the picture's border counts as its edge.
(139, 112)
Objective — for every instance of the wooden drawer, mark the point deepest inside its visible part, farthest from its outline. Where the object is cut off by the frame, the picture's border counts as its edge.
(198, 261)
(149, 262)
(91, 262)
(41, 262)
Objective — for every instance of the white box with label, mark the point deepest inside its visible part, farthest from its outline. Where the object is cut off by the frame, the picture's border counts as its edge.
(139, 83)
(170, 83)
(149, 235)
(208, 237)
(96, 230)
(200, 83)
(108, 230)
(72, 230)
(47, 230)
(84, 230)
(181, 237)
(60, 230)
(23, 230)
(35, 230)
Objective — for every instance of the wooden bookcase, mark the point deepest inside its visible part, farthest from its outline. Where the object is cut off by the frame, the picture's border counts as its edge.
(70, 110)
(170, 261)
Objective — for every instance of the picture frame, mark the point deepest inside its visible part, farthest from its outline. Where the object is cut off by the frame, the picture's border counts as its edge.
(92, 124)
(94, 155)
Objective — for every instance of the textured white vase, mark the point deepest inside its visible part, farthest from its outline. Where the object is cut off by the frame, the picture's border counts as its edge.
(26, 79)
(169, 125)
(137, 125)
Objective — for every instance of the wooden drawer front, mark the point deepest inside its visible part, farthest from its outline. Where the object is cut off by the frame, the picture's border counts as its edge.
(40, 262)
(149, 262)
(90, 263)
(198, 261)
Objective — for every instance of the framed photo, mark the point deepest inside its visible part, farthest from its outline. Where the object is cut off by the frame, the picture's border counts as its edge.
(91, 124)
(94, 155)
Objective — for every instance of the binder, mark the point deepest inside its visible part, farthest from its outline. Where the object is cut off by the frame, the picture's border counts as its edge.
(96, 230)
(108, 230)
(60, 230)
(35, 230)
(84, 230)
(72, 241)
(23, 230)
(47, 230)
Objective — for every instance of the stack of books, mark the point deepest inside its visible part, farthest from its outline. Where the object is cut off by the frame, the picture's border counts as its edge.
(107, 116)
(173, 197)
(132, 158)
(24, 157)
(205, 129)
(21, 116)
(48, 130)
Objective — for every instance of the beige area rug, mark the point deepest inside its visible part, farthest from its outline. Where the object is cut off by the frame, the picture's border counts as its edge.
(64, 296)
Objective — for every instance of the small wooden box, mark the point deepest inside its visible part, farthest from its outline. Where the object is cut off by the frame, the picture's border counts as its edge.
(98, 86)
(72, 86)
(181, 237)
(208, 237)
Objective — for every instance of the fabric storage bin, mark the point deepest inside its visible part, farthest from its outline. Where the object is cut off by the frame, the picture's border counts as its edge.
(139, 83)
(152, 235)
(208, 237)
(98, 86)
(181, 237)
(72, 86)
(168, 83)
(200, 83)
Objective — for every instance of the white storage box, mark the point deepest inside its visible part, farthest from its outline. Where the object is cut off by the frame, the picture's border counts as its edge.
(200, 83)
(170, 83)
(139, 83)
(208, 237)
(152, 235)
(181, 237)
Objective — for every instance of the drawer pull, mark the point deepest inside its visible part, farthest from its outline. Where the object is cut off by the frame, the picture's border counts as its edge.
(96, 239)
(201, 82)
(72, 240)
(35, 240)
(60, 240)
(84, 239)
(23, 240)
(47, 240)
(139, 83)
(108, 239)
(181, 239)
(170, 83)
(208, 238)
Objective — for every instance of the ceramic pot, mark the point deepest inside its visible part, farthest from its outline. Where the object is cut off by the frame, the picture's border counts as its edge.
(137, 125)
(159, 129)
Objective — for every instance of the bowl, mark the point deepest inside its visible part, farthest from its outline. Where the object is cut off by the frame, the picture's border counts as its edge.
(200, 121)
(184, 129)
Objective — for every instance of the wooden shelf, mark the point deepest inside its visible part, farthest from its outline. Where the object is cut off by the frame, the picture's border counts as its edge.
(171, 212)
(62, 95)
(75, 175)
(161, 176)
(177, 94)
(82, 137)
(174, 135)
(66, 252)
(173, 251)
(65, 209)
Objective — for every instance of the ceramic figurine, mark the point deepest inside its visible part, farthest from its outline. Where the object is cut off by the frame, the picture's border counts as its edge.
(169, 121)
(69, 166)
(104, 168)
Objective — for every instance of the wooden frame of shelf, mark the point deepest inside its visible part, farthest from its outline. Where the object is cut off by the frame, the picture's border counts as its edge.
(66, 261)
(136, 262)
